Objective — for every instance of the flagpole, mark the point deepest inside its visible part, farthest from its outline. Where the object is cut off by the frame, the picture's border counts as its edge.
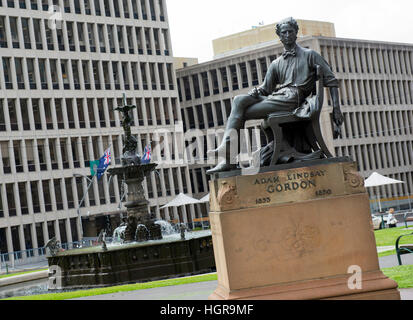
(81, 202)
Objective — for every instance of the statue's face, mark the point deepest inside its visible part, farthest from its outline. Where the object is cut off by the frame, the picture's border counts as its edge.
(287, 34)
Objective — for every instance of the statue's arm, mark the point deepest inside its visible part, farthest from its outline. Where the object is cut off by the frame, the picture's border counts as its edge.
(337, 115)
(268, 85)
(330, 81)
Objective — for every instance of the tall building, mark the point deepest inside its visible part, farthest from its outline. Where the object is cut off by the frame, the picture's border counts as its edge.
(64, 67)
(376, 90)
(262, 35)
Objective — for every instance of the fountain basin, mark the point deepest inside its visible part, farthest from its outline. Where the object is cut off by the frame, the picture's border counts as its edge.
(134, 262)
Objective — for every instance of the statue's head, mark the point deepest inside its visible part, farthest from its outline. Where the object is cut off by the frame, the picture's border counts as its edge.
(287, 30)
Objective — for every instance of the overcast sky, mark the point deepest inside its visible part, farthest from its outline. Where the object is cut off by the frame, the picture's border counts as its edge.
(195, 23)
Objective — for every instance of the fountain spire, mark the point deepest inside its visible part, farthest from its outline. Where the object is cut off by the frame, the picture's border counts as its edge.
(133, 172)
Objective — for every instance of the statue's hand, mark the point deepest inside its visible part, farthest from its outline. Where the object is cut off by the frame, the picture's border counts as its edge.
(338, 120)
(338, 117)
(255, 92)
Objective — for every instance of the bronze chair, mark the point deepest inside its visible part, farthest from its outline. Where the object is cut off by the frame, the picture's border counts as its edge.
(305, 118)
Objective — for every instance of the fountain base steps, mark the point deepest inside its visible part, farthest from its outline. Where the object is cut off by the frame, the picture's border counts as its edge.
(134, 262)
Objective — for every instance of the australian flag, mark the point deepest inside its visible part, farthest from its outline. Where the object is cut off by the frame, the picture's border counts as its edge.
(104, 162)
(146, 154)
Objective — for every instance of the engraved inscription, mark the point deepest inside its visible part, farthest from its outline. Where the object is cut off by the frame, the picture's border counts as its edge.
(321, 193)
(291, 185)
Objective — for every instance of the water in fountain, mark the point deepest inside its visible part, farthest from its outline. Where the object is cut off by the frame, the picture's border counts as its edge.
(166, 228)
(139, 236)
(119, 234)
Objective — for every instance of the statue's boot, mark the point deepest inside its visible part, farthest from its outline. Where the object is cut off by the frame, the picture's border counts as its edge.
(233, 123)
(228, 163)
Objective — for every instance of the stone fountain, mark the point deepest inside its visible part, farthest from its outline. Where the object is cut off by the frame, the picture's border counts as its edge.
(143, 254)
(140, 224)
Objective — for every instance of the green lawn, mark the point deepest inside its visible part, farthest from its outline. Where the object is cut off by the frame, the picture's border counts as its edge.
(20, 273)
(403, 275)
(388, 236)
(124, 288)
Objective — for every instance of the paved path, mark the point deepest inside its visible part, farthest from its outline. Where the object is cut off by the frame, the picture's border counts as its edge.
(192, 291)
(201, 290)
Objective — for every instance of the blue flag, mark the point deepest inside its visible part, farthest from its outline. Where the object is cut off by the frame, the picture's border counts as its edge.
(146, 154)
(104, 162)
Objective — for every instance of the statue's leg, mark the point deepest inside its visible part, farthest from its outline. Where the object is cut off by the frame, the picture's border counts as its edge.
(263, 109)
(236, 119)
(229, 145)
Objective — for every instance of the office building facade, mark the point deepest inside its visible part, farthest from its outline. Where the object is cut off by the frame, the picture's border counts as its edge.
(64, 68)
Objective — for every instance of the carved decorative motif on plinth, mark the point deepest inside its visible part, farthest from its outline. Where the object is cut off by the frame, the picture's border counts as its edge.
(227, 194)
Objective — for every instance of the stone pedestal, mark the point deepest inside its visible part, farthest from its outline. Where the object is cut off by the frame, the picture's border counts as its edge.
(302, 233)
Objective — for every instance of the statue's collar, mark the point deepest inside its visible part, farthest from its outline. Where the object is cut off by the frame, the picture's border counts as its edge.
(290, 53)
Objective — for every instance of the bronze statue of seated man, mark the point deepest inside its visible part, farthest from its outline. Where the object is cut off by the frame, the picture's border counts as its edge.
(290, 79)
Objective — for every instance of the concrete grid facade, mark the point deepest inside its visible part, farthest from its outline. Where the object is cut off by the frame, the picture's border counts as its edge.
(376, 91)
(58, 89)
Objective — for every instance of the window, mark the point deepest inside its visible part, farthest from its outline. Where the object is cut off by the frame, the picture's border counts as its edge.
(224, 79)
(3, 39)
(161, 10)
(14, 32)
(41, 151)
(111, 38)
(31, 74)
(91, 35)
(23, 199)
(81, 36)
(214, 77)
(234, 77)
(152, 8)
(148, 41)
(7, 73)
(2, 119)
(65, 75)
(37, 34)
(26, 33)
(126, 8)
(49, 37)
(101, 38)
(36, 114)
(33, 4)
(18, 161)
(10, 199)
(87, 7)
(204, 77)
(75, 72)
(135, 9)
(70, 36)
(30, 155)
(66, 4)
(120, 39)
(25, 114)
(77, 7)
(97, 7)
(4, 145)
(19, 72)
(48, 113)
(143, 6)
